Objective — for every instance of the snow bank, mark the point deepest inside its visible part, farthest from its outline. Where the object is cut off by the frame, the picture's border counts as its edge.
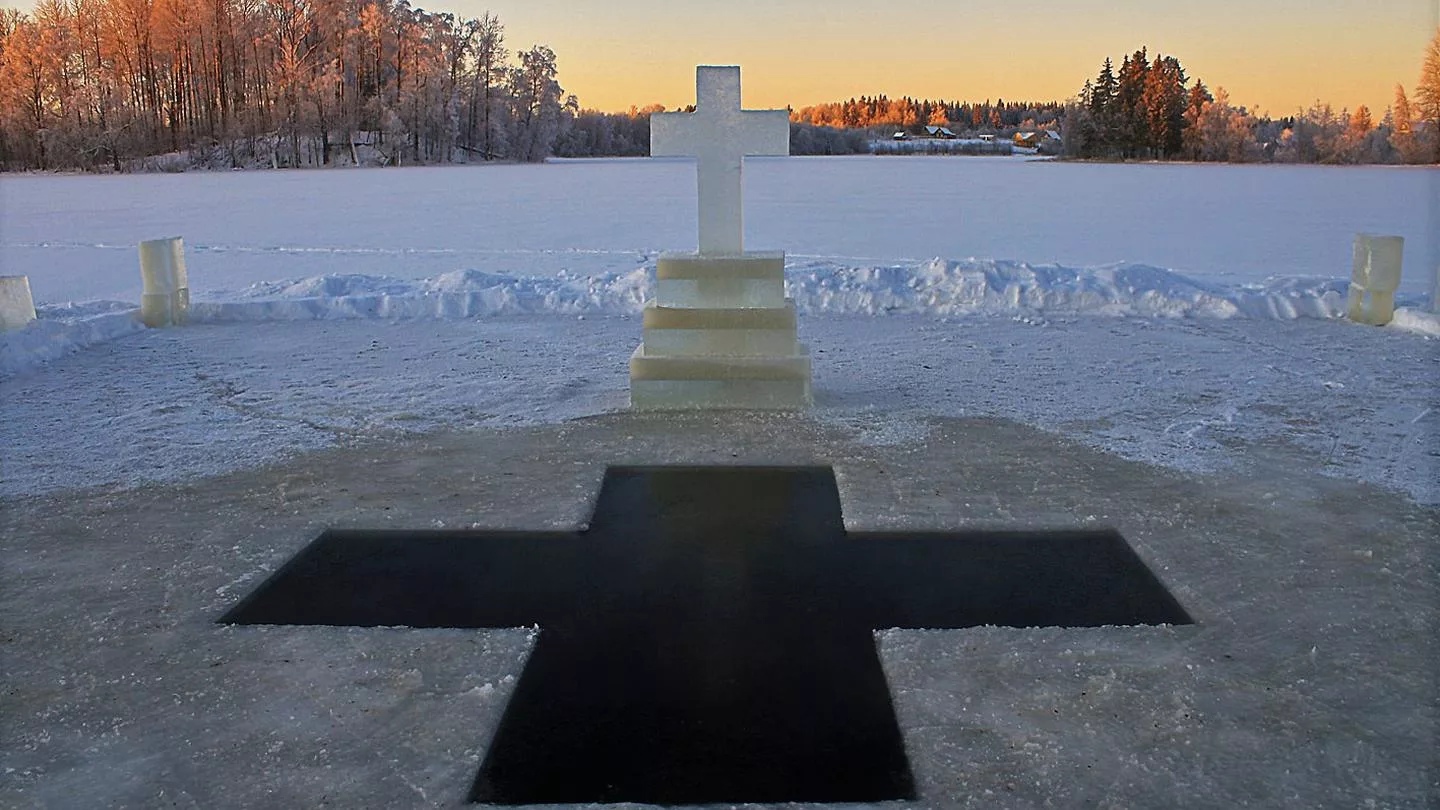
(937, 287)
(61, 329)
(1410, 319)
(940, 287)
(462, 294)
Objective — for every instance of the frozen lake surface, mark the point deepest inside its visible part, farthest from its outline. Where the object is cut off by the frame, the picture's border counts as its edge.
(75, 235)
(447, 348)
(509, 295)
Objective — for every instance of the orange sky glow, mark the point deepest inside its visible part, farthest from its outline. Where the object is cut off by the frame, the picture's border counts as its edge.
(1274, 56)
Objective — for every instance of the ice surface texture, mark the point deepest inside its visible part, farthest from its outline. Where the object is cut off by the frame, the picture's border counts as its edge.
(720, 134)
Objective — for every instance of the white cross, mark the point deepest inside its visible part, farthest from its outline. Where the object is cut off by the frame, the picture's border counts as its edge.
(719, 134)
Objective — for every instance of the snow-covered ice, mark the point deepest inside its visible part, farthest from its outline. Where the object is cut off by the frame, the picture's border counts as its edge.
(432, 306)
(75, 236)
(330, 319)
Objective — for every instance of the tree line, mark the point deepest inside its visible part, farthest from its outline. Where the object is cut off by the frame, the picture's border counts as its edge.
(1148, 109)
(99, 83)
(591, 133)
(882, 112)
(111, 84)
(108, 84)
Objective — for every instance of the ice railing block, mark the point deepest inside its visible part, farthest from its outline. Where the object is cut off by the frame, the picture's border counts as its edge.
(1370, 306)
(17, 306)
(1377, 262)
(1435, 290)
(162, 265)
(1374, 278)
(166, 297)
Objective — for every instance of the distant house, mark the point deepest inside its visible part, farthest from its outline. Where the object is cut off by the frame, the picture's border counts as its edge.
(1039, 139)
(1029, 140)
(902, 136)
(939, 132)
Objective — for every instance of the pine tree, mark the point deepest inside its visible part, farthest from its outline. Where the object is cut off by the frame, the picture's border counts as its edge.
(1103, 125)
(1102, 95)
(1404, 117)
(1133, 127)
(1163, 102)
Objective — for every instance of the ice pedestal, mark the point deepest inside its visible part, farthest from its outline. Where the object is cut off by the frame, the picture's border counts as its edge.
(1374, 278)
(720, 334)
(17, 307)
(166, 297)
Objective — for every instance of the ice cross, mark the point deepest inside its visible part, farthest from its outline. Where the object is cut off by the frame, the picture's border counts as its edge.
(720, 134)
(709, 638)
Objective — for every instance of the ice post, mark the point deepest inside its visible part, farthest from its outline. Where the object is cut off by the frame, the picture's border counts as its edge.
(166, 297)
(1435, 290)
(1375, 277)
(720, 332)
(17, 307)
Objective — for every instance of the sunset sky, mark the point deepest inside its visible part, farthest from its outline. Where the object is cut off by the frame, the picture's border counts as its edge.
(1272, 55)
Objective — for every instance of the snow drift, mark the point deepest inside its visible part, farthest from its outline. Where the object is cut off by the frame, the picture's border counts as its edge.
(937, 288)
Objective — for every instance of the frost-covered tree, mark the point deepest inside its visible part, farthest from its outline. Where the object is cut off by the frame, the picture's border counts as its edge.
(1226, 133)
(1427, 94)
(537, 106)
(1191, 141)
(103, 83)
(485, 109)
(1410, 144)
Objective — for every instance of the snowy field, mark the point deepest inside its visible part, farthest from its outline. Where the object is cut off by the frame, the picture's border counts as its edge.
(1188, 316)
(75, 236)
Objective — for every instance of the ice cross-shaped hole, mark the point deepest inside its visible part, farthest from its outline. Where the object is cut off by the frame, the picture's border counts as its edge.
(709, 637)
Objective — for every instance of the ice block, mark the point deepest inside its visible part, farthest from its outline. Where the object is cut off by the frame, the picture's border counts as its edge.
(1374, 278)
(17, 307)
(166, 297)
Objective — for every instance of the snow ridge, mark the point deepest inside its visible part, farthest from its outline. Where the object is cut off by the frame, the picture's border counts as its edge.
(937, 287)
(62, 329)
(975, 287)
(461, 294)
